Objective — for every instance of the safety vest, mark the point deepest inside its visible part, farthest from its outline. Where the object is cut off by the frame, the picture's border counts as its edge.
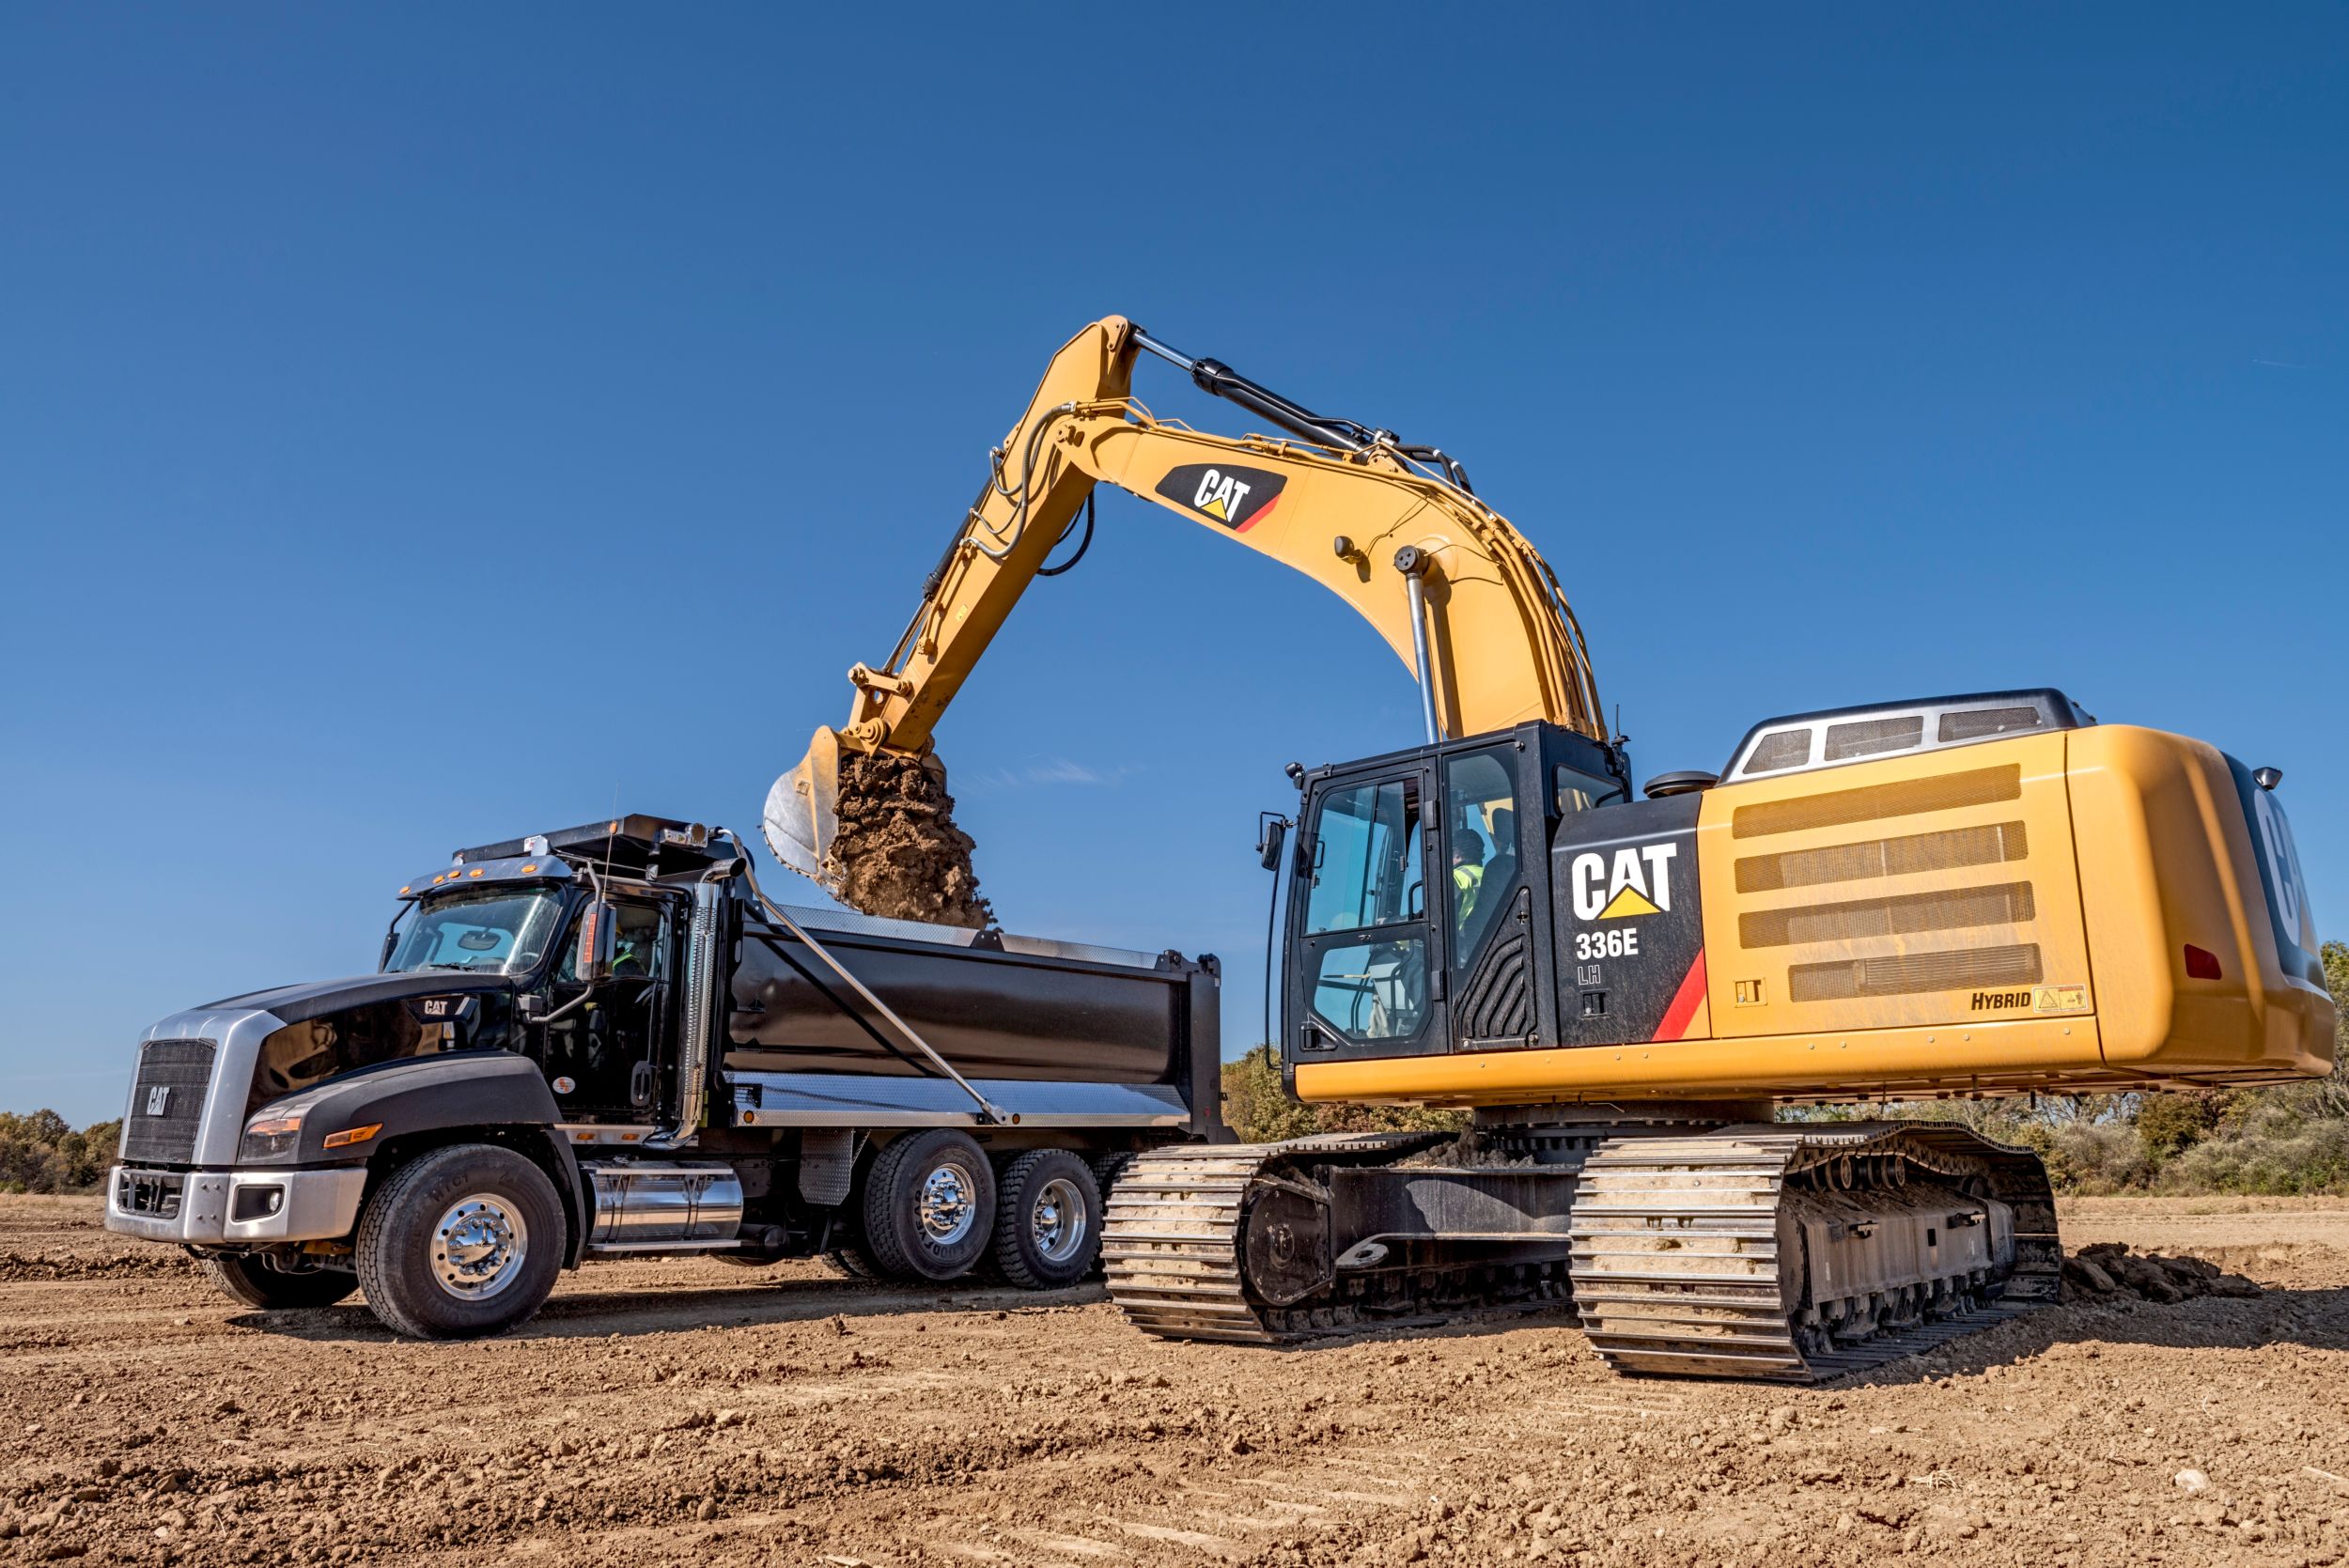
(1470, 879)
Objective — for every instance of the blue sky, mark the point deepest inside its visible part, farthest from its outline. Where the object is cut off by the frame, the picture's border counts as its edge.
(428, 425)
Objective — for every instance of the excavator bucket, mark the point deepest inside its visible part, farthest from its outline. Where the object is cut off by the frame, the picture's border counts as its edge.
(803, 809)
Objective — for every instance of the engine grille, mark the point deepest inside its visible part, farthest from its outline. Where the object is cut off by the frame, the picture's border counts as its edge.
(2006, 904)
(1947, 850)
(172, 1078)
(1942, 792)
(1849, 978)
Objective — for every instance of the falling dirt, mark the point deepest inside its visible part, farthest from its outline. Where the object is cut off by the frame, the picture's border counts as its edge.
(899, 852)
(680, 1411)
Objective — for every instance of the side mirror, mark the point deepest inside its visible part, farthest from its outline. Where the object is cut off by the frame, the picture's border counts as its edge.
(1272, 836)
(384, 960)
(599, 933)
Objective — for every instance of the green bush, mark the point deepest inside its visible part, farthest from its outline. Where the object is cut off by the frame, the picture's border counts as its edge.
(41, 1153)
(1261, 1110)
(2290, 1139)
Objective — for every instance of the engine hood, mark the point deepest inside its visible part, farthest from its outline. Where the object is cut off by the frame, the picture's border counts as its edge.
(318, 997)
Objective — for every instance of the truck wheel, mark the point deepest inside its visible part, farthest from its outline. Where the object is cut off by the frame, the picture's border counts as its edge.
(851, 1263)
(463, 1242)
(252, 1281)
(1047, 1221)
(1108, 1168)
(929, 1204)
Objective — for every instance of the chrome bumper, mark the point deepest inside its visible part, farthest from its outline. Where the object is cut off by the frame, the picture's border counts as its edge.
(215, 1208)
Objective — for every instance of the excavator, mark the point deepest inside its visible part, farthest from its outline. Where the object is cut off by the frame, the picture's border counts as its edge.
(1921, 901)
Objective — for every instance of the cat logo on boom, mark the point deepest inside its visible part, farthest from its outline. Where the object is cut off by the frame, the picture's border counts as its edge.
(1238, 498)
(1636, 881)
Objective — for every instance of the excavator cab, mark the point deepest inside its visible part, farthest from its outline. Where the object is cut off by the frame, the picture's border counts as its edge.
(1420, 920)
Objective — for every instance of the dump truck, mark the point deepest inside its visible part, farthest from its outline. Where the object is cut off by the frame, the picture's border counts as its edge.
(1622, 983)
(606, 1041)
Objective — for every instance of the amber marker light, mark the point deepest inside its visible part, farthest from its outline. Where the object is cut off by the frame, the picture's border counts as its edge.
(349, 1136)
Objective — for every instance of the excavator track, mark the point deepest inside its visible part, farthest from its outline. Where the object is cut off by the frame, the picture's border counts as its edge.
(1682, 1247)
(1176, 1231)
(1171, 1242)
(1686, 1252)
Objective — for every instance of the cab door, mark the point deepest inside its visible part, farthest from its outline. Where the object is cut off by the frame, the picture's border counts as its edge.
(609, 1043)
(1366, 977)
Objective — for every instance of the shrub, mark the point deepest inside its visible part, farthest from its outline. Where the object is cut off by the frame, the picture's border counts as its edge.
(41, 1153)
(1258, 1107)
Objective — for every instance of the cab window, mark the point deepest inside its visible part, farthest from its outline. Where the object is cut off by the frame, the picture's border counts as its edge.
(1367, 867)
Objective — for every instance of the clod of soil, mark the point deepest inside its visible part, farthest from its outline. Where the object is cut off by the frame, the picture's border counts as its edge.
(899, 852)
(2109, 1270)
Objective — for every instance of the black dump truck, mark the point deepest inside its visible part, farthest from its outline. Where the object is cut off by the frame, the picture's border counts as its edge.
(607, 1042)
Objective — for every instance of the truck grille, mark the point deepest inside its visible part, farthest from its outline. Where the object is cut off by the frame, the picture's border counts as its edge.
(167, 1100)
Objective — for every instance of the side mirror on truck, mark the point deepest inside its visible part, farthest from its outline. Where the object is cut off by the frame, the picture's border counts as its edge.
(599, 933)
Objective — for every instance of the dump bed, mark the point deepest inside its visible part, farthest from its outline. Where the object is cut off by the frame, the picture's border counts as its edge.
(1056, 1033)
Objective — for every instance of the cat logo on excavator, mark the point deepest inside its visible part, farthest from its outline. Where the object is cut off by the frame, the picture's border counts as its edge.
(1628, 887)
(1238, 498)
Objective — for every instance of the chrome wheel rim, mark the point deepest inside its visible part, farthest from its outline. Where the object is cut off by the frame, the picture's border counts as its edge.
(1058, 1222)
(943, 1206)
(478, 1245)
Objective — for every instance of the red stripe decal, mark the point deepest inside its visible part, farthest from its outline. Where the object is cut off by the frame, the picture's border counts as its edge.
(1684, 1001)
(1259, 516)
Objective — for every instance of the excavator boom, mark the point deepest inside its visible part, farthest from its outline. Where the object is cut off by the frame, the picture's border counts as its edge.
(1459, 595)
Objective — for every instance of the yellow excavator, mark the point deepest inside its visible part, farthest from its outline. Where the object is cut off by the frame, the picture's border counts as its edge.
(1954, 897)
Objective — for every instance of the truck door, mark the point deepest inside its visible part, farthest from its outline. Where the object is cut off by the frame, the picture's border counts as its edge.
(1366, 978)
(610, 1047)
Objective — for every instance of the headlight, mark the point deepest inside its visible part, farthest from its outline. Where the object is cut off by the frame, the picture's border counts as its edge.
(271, 1137)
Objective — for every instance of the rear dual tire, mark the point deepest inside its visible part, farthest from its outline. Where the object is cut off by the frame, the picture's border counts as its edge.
(1048, 1221)
(929, 1202)
(936, 1208)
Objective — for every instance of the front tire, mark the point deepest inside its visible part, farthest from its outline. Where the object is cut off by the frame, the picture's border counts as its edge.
(461, 1242)
(1048, 1221)
(929, 1205)
(251, 1280)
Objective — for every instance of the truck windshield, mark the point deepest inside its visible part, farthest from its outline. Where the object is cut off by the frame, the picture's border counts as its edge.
(500, 931)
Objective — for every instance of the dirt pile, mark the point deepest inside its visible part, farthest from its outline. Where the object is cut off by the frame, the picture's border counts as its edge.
(147, 1263)
(2108, 1269)
(899, 852)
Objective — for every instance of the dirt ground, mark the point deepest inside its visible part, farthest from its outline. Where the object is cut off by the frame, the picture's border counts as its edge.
(666, 1412)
